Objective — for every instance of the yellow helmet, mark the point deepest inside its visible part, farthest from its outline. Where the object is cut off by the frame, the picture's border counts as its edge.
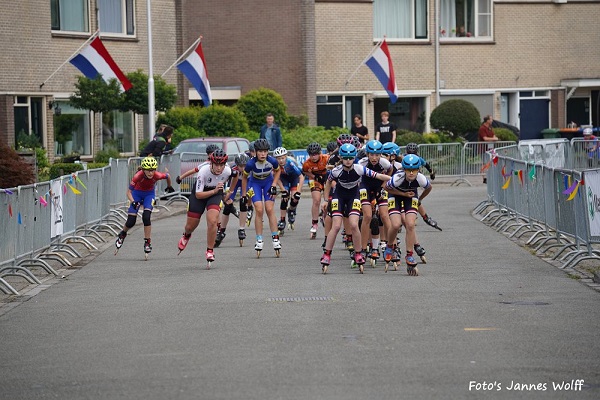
(149, 163)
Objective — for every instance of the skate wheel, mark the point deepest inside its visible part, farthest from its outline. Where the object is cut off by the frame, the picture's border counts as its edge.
(208, 265)
(373, 262)
(281, 233)
(241, 242)
(386, 267)
(395, 266)
(324, 269)
(277, 253)
(145, 256)
(361, 268)
(116, 251)
(353, 264)
(291, 226)
(423, 260)
(257, 253)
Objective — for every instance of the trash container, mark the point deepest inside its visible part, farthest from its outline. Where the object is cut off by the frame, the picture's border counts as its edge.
(551, 133)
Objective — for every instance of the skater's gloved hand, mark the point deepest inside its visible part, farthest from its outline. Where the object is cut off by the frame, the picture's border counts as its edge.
(178, 180)
(273, 191)
(285, 194)
(244, 199)
(136, 204)
(432, 175)
(320, 178)
(169, 189)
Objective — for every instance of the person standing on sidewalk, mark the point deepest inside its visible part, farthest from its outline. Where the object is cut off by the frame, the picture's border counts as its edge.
(486, 134)
(271, 132)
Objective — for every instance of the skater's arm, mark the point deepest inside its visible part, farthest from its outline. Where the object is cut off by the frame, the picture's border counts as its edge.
(188, 173)
(425, 193)
(209, 193)
(244, 184)
(276, 174)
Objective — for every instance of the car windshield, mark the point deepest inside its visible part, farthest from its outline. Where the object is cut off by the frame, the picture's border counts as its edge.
(195, 147)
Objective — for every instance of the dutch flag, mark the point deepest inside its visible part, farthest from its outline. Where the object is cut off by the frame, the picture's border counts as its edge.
(381, 65)
(194, 68)
(94, 59)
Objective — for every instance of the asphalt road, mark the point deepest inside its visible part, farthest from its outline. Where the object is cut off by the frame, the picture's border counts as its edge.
(484, 315)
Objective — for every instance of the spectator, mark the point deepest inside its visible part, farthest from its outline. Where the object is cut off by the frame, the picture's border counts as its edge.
(161, 144)
(271, 132)
(486, 134)
(591, 147)
(359, 130)
(385, 131)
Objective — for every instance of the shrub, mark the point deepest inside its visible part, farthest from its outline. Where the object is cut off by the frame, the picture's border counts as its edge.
(440, 137)
(13, 170)
(505, 134)
(182, 133)
(95, 165)
(25, 141)
(301, 137)
(103, 156)
(220, 120)
(59, 169)
(456, 116)
(406, 137)
(297, 121)
(180, 116)
(256, 104)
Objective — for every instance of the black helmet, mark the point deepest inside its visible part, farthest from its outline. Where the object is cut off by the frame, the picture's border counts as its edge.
(210, 148)
(313, 148)
(251, 146)
(361, 153)
(261, 144)
(412, 148)
(331, 146)
(241, 159)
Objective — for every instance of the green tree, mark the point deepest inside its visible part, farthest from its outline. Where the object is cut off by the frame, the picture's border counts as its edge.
(96, 95)
(180, 116)
(136, 98)
(457, 116)
(257, 103)
(220, 120)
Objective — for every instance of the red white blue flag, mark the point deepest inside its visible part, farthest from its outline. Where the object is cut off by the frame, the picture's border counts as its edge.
(94, 59)
(380, 63)
(194, 68)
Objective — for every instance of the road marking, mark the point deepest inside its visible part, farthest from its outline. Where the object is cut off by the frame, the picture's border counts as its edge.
(479, 329)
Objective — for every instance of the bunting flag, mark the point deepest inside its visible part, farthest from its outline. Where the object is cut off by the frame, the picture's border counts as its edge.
(9, 210)
(567, 181)
(95, 60)
(7, 191)
(64, 189)
(507, 183)
(194, 68)
(19, 220)
(520, 173)
(572, 188)
(532, 173)
(79, 180)
(43, 201)
(495, 160)
(504, 173)
(73, 189)
(486, 166)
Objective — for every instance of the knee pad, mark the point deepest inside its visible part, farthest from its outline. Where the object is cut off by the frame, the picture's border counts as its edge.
(130, 221)
(295, 200)
(243, 206)
(146, 217)
(375, 226)
(284, 204)
(228, 209)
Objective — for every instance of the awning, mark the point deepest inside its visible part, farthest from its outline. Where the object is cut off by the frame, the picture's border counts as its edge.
(574, 84)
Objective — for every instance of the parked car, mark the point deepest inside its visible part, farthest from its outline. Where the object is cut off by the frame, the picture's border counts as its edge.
(193, 152)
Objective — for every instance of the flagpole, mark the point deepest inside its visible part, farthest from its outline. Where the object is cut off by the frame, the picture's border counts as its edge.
(69, 59)
(363, 61)
(151, 110)
(182, 55)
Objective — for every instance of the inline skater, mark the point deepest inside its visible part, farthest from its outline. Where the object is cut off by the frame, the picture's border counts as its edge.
(404, 186)
(262, 175)
(413, 148)
(141, 193)
(207, 196)
(290, 182)
(345, 204)
(315, 169)
(228, 200)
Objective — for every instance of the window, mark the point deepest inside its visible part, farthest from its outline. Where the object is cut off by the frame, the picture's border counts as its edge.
(72, 133)
(118, 131)
(466, 18)
(336, 110)
(29, 117)
(116, 16)
(69, 15)
(400, 19)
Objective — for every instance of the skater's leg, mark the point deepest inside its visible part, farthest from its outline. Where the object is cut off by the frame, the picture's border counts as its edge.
(411, 234)
(258, 217)
(336, 225)
(147, 223)
(270, 209)
(355, 231)
(361, 240)
(212, 216)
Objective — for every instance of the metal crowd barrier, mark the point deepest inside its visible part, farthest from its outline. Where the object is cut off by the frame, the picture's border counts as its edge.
(557, 207)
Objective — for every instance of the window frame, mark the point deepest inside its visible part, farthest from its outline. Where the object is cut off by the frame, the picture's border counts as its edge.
(128, 20)
(414, 38)
(476, 17)
(86, 19)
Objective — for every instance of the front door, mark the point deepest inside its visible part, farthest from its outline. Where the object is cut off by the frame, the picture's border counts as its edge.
(578, 110)
(534, 117)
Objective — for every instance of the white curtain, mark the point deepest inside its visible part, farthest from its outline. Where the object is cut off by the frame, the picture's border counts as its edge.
(421, 18)
(73, 15)
(111, 18)
(447, 18)
(392, 18)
